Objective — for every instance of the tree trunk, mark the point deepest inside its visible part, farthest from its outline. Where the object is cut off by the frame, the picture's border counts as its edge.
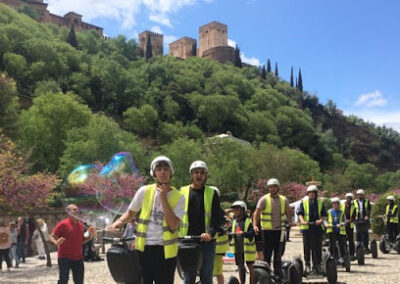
(45, 243)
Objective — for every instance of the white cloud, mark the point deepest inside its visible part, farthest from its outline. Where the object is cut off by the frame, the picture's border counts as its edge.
(231, 43)
(250, 60)
(169, 38)
(370, 100)
(124, 11)
(156, 29)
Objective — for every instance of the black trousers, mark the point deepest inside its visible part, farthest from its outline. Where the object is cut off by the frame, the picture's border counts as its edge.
(341, 239)
(362, 233)
(155, 268)
(271, 239)
(65, 264)
(5, 253)
(392, 231)
(350, 239)
(312, 244)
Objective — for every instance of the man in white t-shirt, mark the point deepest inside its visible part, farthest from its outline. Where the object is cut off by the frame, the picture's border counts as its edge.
(161, 209)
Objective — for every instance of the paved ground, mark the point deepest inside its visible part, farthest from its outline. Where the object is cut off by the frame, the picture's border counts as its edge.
(385, 269)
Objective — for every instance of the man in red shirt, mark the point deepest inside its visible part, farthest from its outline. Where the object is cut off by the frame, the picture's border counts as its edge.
(68, 237)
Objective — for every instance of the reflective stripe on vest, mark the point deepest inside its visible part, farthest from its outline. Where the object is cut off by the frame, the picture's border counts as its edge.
(208, 198)
(355, 202)
(330, 222)
(222, 244)
(393, 218)
(266, 214)
(250, 252)
(306, 208)
(170, 238)
(352, 208)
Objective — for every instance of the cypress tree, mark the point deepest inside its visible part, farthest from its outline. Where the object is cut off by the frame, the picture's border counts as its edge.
(149, 50)
(291, 77)
(296, 83)
(276, 70)
(194, 49)
(263, 73)
(268, 66)
(237, 61)
(300, 82)
(71, 39)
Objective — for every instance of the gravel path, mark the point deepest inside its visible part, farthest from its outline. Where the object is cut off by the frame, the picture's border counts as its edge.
(385, 269)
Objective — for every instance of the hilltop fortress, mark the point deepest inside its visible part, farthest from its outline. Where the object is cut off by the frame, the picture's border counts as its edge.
(213, 44)
(45, 16)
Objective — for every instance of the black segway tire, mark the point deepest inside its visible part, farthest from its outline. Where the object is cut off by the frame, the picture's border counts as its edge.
(360, 255)
(262, 273)
(298, 264)
(382, 246)
(397, 246)
(347, 262)
(233, 280)
(374, 249)
(295, 275)
(331, 271)
(124, 264)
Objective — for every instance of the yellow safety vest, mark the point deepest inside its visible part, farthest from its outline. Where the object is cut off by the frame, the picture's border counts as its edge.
(352, 208)
(170, 238)
(330, 222)
(208, 198)
(250, 252)
(393, 218)
(266, 215)
(365, 206)
(222, 244)
(306, 207)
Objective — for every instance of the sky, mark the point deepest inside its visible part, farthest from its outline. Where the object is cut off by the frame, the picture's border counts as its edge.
(348, 51)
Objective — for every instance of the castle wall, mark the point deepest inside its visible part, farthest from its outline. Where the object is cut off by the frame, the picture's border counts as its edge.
(220, 53)
(183, 48)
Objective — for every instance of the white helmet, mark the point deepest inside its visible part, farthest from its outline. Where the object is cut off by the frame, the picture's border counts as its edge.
(390, 197)
(159, 160)
(198, 165)
(349, 195)
(239, 203)
(312, 188)
(216, 190)
(360, 191)
(273, 181)
(335, 199)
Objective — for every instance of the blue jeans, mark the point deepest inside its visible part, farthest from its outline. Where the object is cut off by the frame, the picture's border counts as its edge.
(65, 264)
(207, 265)
(21, 251)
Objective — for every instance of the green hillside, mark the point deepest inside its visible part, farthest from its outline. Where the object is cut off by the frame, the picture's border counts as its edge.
(80, 105)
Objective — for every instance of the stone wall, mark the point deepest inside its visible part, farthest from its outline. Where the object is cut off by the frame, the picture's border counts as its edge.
(157, 43)
(221, 54)
(212, 35)
(183, 48)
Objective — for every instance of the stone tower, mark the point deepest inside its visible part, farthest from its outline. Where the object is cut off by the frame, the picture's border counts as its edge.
(157, 43)
(183, 48)
(212, 35)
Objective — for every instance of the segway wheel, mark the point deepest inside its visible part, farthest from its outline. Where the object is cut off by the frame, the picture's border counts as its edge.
(262, 276)
(347, 262)
(295, 275)
(382, 246)
(331, 271)
(233, 280)
(398, 246)
(298, 264)
(374, 249)
(360, 255)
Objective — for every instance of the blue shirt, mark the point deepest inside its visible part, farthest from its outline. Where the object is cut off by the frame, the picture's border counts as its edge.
(335, 220)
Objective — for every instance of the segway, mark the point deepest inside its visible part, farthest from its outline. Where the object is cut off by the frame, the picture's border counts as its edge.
(346, 257)
(386, 245)
(328, 263)
(123, 262)
(190, 257)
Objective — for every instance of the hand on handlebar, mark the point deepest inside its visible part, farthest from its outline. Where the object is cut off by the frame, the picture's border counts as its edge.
(318, 222)
(205, 237)
(239, 233)
(116, 224)
(256, 230)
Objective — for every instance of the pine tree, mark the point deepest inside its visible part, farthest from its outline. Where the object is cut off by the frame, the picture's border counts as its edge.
(237, 61)
(291, 77)
(300, 82)
(276, 70)
(263, 73)
(149, 50)
(71, 39)
(269, 66)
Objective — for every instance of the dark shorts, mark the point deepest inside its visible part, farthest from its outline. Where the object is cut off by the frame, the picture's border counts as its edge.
(259, 242)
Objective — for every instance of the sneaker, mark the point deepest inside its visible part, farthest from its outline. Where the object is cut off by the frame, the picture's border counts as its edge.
(353, 258)
(319, 269)
(308, 269)
(341, 260)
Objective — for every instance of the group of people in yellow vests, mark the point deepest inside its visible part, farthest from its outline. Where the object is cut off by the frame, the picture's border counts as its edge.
(166, 213)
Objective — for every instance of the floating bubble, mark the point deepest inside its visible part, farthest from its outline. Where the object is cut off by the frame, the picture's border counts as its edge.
(121, 163)
(80, 174)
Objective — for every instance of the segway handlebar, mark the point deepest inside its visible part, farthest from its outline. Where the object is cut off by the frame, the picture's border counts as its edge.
(190, 238)
(117, 240)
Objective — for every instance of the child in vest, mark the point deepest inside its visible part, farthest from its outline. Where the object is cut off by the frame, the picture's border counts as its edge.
(392, 218)
(242, 230)
(336, 230)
